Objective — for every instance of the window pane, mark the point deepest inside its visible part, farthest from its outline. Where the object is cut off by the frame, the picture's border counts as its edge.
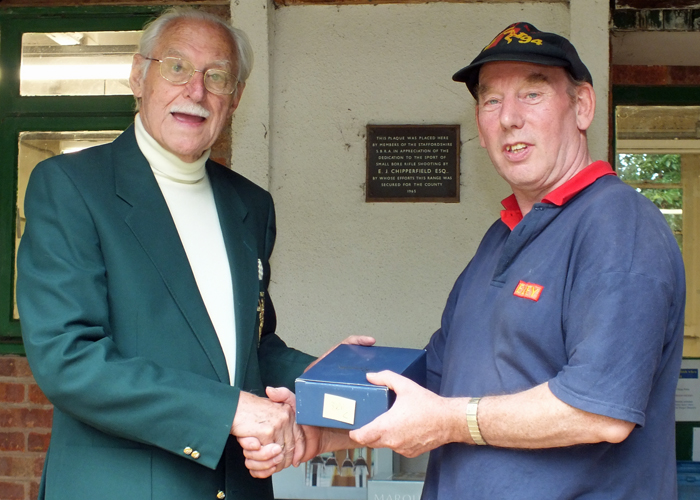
(87, 63)
(37, 146)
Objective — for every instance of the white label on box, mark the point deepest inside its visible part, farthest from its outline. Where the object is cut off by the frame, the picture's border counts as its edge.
(688, 392)
(339, 408)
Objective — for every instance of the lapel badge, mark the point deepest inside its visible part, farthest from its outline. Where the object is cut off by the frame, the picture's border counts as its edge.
(261, 317)
(261, 304)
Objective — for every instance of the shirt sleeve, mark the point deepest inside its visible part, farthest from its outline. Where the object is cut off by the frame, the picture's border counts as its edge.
(623, 315)
(615, 337)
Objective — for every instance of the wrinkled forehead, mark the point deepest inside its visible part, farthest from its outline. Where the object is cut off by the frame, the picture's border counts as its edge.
(211, 63)
(493, 73)
(183, 38)
(524, 70)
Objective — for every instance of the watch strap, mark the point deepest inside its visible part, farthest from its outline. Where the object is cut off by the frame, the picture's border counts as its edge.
(473, 423)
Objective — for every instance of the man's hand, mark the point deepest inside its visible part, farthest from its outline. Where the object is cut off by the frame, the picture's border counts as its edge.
(265, 454)
(263, 461)
(269, 423)
(419, 420)
(352, 339)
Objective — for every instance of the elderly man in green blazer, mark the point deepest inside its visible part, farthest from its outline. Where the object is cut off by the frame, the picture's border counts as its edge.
(142, 287)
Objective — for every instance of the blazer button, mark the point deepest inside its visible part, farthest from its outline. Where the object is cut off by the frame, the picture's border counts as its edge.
(221, 495)
(187, 451)
(195, 454)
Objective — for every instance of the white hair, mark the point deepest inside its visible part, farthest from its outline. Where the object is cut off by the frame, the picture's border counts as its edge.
(239, 40)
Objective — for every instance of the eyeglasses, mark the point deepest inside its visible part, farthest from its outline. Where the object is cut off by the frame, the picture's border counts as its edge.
(179, 72)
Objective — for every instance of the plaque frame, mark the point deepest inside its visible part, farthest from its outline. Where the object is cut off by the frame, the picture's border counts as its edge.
(412, 163)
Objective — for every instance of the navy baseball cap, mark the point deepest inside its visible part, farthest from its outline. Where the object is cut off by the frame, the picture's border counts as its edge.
(525, 43)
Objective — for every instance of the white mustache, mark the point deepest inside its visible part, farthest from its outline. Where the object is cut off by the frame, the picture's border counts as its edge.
(190, 109)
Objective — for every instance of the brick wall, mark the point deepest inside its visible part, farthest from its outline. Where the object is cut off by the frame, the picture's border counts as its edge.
(25, 429)
(655, 75)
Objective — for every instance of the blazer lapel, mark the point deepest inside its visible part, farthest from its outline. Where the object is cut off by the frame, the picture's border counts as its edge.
(241, 246)
(153, 226)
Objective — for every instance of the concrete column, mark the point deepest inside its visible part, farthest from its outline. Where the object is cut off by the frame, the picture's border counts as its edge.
(589, 34)
(251, 122)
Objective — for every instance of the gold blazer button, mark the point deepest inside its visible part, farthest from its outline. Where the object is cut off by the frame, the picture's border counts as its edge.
(221, 495)
(195, 454)
(187, 451)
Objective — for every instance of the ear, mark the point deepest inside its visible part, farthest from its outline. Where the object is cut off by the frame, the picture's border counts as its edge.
(478, 125)
(136, 75)
(585, 106)
(236, 98)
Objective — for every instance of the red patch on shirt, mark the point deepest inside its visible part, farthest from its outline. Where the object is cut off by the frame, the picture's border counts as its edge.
(528, 291)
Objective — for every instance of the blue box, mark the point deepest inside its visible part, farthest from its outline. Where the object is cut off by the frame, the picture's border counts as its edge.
(335, 392)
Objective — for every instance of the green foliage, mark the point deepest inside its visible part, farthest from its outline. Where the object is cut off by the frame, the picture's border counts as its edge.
(646, 167)
(664, 198)
(661, 169)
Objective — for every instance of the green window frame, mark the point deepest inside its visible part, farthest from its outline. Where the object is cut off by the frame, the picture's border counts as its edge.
(47, 113)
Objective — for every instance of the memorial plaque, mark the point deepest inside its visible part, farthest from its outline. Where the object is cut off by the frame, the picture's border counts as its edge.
(413, 163)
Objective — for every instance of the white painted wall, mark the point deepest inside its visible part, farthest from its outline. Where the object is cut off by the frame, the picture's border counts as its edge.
(656, 48)
(343, 266)
(590, 35)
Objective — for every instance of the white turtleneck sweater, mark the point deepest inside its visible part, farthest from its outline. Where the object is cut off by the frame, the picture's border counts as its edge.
(187, 191)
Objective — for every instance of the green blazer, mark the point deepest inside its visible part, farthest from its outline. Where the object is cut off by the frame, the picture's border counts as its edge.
(119, 339)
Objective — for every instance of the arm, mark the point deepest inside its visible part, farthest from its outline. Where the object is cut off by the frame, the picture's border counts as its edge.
(421, 421)
(537, 419)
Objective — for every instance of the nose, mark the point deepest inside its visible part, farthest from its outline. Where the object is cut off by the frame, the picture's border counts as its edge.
(511, 115)
(195, 87)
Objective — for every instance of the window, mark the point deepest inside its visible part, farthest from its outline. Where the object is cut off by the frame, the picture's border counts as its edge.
(63, 86)
(657, 151)
(77, 63)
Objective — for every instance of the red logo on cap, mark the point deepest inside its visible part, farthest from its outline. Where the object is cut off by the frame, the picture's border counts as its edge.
(511, 32)
(528, 291)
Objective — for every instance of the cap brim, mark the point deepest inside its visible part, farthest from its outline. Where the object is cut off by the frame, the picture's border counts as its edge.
(466, 74)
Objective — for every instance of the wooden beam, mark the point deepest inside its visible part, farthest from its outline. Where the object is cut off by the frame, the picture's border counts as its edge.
(656, 4)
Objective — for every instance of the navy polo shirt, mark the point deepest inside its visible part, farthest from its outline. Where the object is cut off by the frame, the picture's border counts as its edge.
(587, 292)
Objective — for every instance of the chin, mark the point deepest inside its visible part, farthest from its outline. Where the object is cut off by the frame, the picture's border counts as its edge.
(195, 150)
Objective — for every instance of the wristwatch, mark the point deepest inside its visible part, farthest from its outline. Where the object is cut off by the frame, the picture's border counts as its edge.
(473, 423)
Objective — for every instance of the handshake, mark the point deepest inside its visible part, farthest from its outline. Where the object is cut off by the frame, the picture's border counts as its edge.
(418, 421)
(271, 439)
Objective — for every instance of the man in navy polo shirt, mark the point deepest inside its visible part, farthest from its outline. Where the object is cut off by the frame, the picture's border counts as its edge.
(553, 374)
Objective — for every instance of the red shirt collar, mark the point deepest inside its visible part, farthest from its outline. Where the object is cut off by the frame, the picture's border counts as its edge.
(512, 214)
